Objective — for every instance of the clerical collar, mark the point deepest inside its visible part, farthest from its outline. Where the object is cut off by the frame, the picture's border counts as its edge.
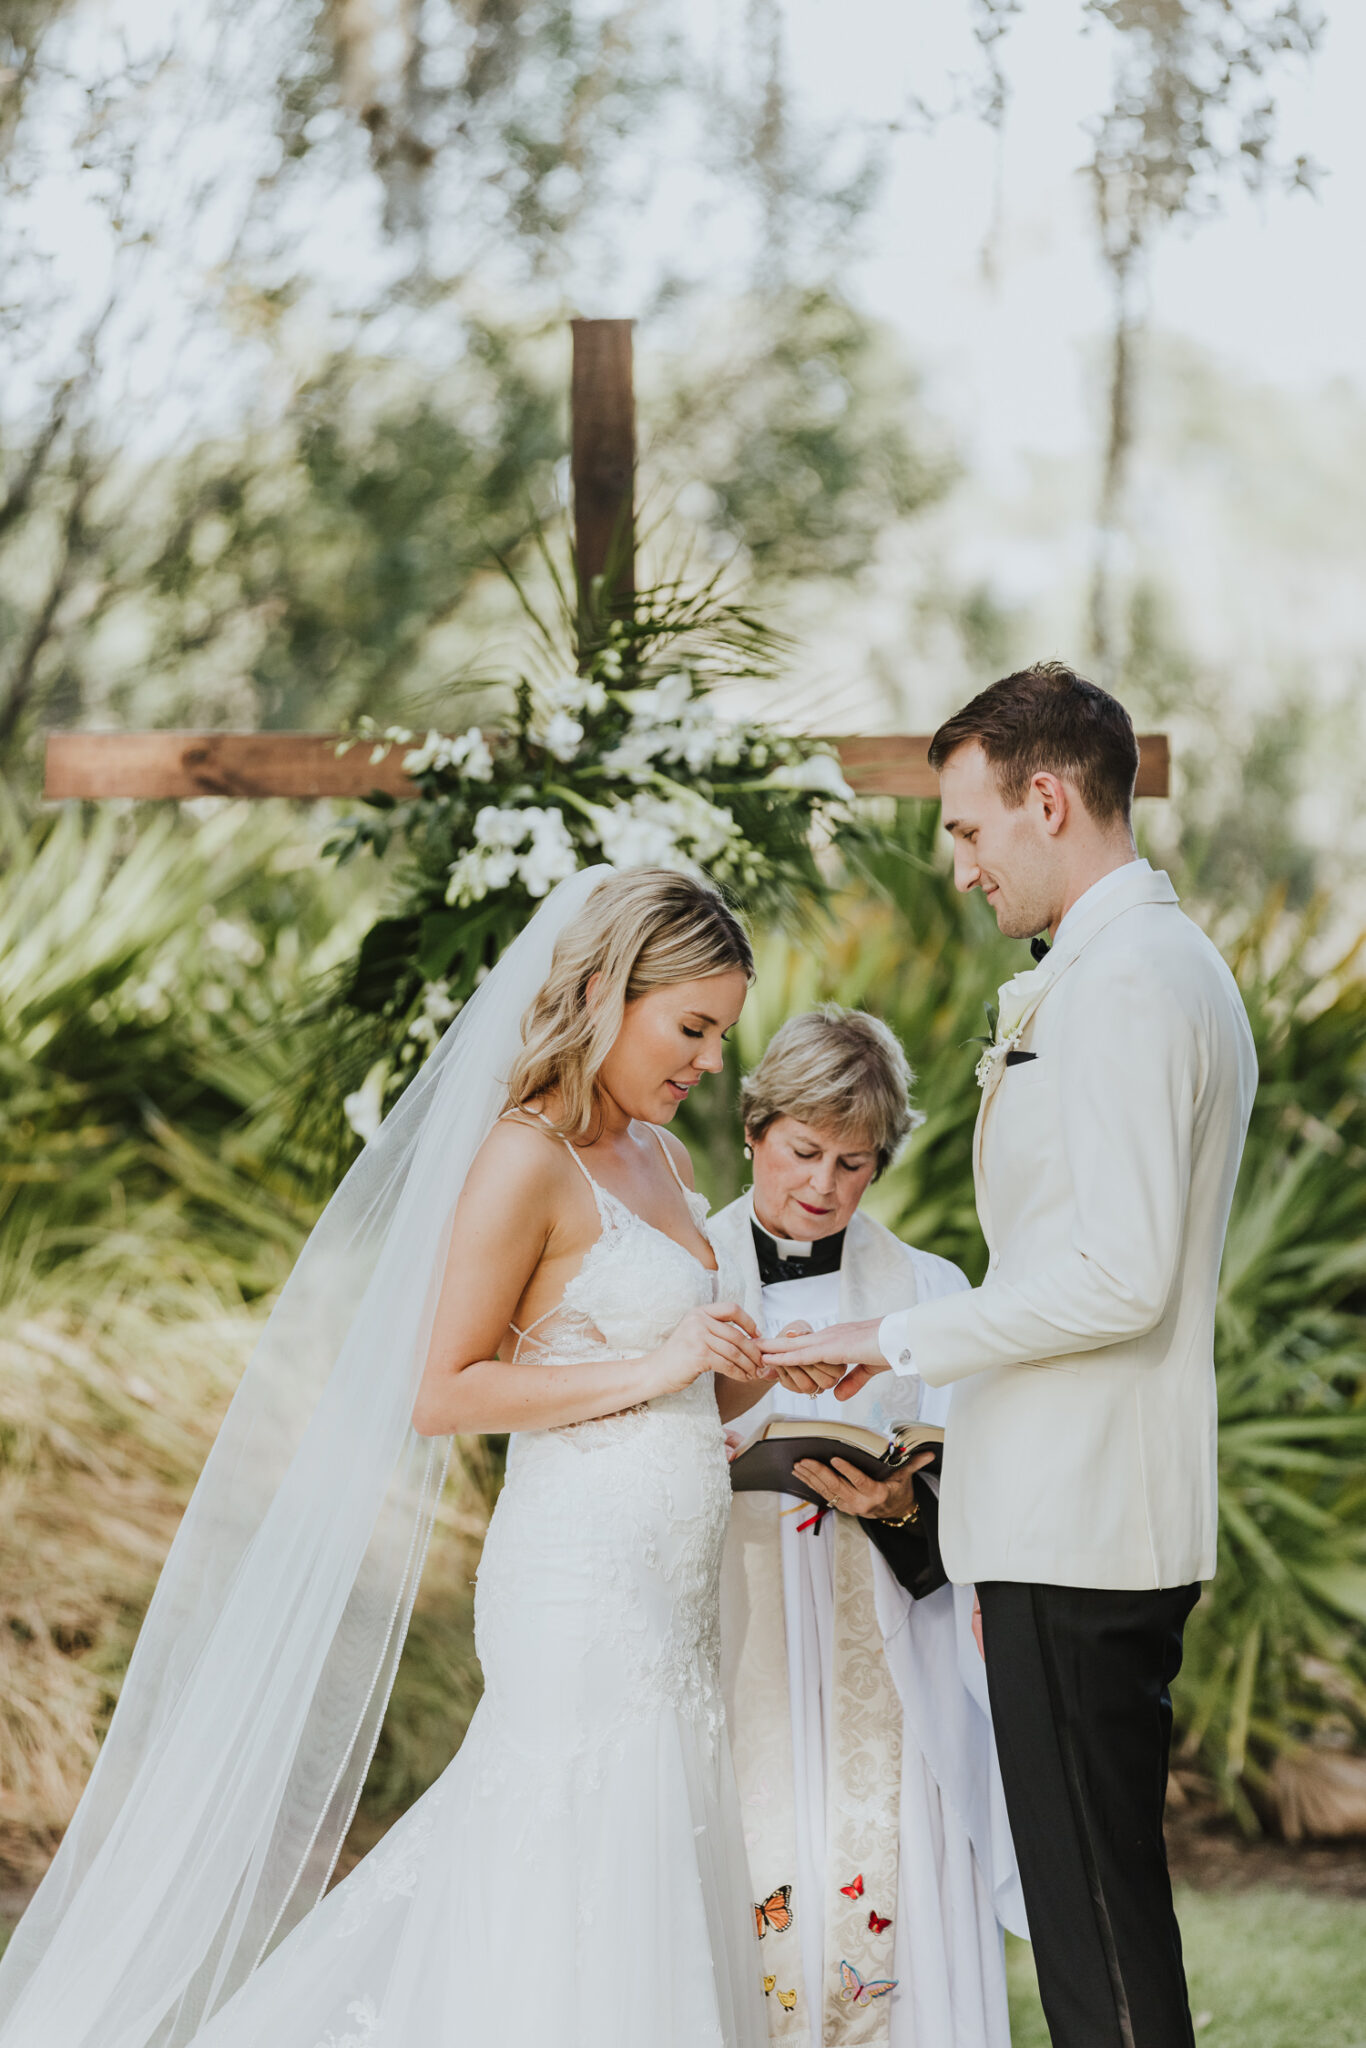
(783, 1258)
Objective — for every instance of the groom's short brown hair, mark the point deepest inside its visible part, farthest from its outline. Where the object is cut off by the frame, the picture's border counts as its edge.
(1049, 720)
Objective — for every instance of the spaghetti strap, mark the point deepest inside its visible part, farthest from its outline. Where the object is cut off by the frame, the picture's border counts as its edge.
(520, 1110)
(672, 1162)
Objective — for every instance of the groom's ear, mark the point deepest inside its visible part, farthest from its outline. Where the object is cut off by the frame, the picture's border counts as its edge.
(1049, 793)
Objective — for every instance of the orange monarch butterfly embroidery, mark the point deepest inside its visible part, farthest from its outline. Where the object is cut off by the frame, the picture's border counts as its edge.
(861, 1993)
(775, 1912)
(854, 1890)
(877, 1923)
(787, 2000)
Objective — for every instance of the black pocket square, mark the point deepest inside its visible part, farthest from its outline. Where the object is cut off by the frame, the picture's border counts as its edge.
(1016, 1058)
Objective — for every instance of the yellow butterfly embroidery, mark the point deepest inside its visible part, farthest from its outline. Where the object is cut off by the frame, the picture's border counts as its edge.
(787, 2000)
(769, 1983)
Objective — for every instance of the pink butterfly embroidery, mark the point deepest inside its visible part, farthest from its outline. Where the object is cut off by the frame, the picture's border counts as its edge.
(860, 1993)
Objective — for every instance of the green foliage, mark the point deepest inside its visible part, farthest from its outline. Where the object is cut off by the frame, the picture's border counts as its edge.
(146, 978)
(799, 417)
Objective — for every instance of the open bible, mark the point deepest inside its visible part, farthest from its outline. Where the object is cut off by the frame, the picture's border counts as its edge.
(911, 1549)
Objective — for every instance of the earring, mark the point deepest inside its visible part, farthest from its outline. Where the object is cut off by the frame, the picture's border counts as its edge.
(749, 1151)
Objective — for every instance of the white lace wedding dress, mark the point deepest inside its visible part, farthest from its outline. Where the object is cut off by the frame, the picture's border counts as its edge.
(577, 1877)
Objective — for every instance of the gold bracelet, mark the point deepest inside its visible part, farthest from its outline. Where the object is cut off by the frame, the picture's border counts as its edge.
(902, 1521)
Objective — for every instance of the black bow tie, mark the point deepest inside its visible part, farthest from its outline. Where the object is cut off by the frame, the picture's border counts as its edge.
(778, 1260)
(1039, 947)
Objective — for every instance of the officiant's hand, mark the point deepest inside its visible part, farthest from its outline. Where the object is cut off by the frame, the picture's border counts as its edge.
(812, 1363)
(854, 1493)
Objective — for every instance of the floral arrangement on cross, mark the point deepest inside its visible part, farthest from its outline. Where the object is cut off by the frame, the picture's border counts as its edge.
(614, 747)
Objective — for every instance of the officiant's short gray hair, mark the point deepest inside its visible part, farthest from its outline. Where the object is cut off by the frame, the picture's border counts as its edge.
(837, 1070)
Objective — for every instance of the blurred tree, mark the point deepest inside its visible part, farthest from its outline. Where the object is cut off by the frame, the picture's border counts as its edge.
(247, 480)
(1191, 109)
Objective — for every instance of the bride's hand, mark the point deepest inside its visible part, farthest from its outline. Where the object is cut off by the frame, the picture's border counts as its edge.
(717, 1338)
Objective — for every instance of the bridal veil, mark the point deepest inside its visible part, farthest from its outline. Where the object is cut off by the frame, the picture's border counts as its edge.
(254, 1698)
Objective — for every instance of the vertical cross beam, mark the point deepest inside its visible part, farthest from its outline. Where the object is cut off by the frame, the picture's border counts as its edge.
(603, 461)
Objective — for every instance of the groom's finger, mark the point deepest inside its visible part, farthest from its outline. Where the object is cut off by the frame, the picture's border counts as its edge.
(801, 1351)
(852, 1381)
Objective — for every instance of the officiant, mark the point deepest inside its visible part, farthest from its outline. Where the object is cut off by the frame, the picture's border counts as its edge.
(875, 1822)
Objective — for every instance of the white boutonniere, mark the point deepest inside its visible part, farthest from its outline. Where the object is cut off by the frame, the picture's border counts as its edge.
(1006, 1020)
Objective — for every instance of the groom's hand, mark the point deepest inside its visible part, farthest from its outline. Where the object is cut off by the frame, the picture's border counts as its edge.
(809, 1364)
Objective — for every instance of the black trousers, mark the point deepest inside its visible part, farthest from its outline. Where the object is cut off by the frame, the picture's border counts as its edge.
(1079, 1683)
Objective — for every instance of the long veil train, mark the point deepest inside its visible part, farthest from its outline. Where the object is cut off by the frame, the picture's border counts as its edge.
(250, 1710)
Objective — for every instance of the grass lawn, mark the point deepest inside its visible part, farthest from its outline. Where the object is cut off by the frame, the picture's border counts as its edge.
(1267, 1969)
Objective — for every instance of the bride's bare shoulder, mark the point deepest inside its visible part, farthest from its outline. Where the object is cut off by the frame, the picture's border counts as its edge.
(520, 1161)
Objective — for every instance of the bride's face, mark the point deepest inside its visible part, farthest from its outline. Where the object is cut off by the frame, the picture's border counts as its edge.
(670, 1038)
(808, 1182)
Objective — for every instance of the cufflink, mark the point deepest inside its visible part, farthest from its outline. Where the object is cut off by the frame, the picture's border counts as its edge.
(904, 1358)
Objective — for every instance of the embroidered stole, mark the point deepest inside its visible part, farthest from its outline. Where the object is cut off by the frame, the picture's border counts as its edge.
(864, 1723)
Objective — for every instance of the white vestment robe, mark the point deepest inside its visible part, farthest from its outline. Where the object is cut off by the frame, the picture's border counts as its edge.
(956, 1883)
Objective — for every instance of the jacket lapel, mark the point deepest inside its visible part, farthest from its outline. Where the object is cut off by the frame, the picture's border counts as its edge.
(1146, 885)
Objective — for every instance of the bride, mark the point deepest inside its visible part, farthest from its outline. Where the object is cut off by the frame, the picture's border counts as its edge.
(519, 1249)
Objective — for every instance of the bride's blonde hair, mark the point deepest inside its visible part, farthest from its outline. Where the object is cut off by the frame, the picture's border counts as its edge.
(649, 928)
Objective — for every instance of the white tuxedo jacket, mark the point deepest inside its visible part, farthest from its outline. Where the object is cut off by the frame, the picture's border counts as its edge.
(1081, 1441)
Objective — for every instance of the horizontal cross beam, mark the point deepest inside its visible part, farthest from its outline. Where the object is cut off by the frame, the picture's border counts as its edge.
(307, 764)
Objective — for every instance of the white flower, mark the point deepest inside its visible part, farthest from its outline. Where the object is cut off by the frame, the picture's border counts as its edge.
(1016, 1001)
(561, 736)
(499, 868)
(697, 738)
(437, 1010)
(438, 1002)
(634, 755)
(665, 704)
(632, 839)
(1016, 996)
(683, 830)
(818, 772)
(364, 1110)
(552, 857)
(576, 693)
(467, 750)
(495, 825)
(494, 860)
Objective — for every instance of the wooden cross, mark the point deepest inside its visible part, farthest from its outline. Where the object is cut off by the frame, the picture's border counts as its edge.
(307, 764)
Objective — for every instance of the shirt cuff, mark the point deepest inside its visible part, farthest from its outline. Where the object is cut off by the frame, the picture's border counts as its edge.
(894, 1342)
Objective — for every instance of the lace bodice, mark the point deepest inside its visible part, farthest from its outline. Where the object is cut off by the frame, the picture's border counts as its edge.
(635, 1285)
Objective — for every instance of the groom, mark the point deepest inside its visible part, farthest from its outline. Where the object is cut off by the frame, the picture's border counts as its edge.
(1079, 1468)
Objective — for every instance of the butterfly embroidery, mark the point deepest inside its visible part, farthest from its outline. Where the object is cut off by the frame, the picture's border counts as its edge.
(859, 1992)
(854, 1890)
(775, 1912)
(877, 1923)
(787, 2000)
